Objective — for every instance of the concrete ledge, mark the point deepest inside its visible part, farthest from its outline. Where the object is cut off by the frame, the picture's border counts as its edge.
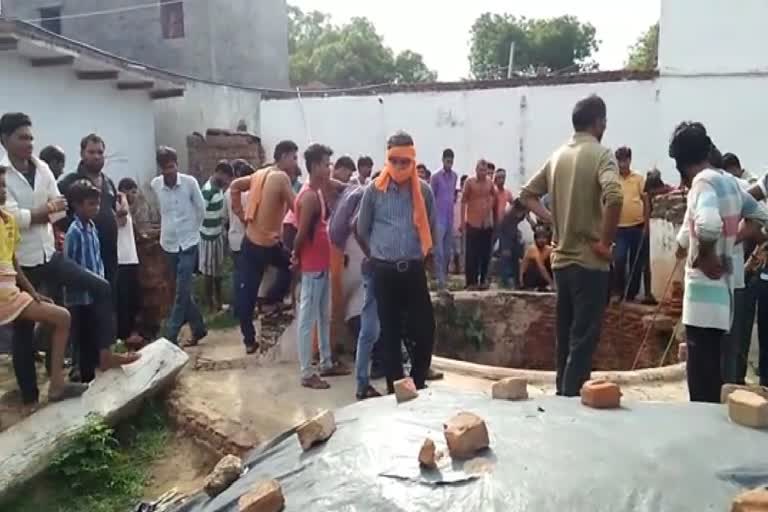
(671, 373)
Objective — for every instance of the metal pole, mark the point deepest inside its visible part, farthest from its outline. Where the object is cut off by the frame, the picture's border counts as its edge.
(511, 59)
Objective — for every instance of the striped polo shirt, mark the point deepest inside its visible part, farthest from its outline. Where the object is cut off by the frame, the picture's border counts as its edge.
(213, 219)
(716, 205)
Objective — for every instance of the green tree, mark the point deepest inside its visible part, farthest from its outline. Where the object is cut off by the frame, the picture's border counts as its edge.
(644, 54)
(349, 55)
(555, 44)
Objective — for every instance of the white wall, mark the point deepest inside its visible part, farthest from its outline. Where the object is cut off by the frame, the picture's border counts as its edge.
(713, 36)
(64, 109)
(491, 123)
(204, 106)
(475, 123)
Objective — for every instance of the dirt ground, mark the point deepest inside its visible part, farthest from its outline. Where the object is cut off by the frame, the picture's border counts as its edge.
(253, 399)
(249, 400)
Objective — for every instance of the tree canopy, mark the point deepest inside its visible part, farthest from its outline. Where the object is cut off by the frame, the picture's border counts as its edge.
(555, 44)
(346, 55)
(644, 54)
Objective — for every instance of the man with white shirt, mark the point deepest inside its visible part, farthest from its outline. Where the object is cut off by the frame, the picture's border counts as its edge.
(181, 216)
(236, 231)
(716, 205)
(34, 200)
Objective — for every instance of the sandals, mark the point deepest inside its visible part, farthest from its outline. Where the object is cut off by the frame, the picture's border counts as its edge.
(67, 391)
(337, 370)
(315, 382)
(370, 392)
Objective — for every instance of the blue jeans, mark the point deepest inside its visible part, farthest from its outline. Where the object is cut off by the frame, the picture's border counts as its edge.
(254, 260)
(444, 252)
(183, 264)
(369, 334)
(314, 307)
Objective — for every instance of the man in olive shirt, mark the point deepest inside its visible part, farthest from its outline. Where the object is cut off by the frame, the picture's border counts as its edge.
(581, 179)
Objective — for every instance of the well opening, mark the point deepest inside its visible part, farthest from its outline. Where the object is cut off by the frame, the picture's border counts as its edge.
(516, 329)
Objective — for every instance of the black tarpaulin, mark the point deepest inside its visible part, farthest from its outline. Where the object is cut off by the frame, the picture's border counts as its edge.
(547, 454)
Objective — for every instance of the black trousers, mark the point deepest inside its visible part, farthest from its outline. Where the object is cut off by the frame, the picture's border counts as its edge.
(628, 266)
(736, 343)
(478, 257)
(761, 291)
(88, 343)
(404, 305)
(703, 363)
(59, 271)
(581, 301)
(128, 300)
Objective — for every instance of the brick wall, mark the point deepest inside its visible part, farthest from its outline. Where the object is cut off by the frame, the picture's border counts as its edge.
(206, 152)
(517, 330)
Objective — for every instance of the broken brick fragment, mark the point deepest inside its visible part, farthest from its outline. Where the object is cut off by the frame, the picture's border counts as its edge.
(755, 500)
(405, 390)
(512, 388)
(748, 409)
(465, 434)
(428, 455)
(263, 497)
(316, 430)
(727, 389)
(601, 394)
(227, 470)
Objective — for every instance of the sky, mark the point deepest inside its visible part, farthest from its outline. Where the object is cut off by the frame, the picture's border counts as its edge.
(441, 32)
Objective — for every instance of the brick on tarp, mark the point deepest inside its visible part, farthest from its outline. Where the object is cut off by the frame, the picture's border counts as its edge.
(428, 454)
(601, 394)
(727, 389)
(748, 409)
(263, 497)
(405, 390)
(511, 388)
(316, 430)
(755, 500)
(465, 434)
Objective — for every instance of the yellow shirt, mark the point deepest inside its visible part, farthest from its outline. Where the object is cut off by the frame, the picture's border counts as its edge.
(9, 240)
(580, 178)
(632, 213)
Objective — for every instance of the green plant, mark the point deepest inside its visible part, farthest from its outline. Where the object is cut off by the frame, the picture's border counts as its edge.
(471, 324)
(101, 469)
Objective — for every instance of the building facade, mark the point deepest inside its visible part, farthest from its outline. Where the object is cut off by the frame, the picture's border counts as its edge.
(241, 42)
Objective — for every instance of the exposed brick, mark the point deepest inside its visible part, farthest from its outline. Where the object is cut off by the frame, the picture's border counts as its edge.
(518, 331)
(206, 152)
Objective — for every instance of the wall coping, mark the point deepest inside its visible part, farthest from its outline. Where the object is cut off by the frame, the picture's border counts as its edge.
(672, 373)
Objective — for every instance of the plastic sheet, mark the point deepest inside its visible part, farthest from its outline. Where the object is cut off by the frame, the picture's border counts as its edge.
(547, 454)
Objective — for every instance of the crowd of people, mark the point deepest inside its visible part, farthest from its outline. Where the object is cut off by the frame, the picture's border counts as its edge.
(72, 237)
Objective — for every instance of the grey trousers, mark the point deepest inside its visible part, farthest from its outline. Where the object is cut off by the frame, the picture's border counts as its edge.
(582, 295)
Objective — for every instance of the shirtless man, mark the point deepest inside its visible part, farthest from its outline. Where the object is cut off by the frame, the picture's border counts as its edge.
(477, 220)
(270, 196)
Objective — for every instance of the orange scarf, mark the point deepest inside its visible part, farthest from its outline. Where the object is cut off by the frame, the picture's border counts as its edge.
(254, 193)
(420, 217)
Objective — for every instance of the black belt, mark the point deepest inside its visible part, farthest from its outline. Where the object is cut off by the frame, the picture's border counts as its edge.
(397, 266)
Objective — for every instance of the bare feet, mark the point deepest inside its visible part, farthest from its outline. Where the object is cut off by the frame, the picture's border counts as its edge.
(118, 360)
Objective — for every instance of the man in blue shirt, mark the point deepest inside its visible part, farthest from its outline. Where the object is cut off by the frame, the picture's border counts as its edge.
(396, 226)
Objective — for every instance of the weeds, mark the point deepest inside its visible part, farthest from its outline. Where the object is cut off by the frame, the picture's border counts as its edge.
(101, 469)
